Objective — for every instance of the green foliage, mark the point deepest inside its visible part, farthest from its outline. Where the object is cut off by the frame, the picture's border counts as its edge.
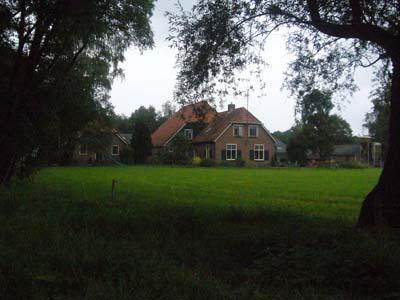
(377, 121)
(141, 141)
(351, 165)
(127, 156)
(179, 151)
(340, 130)
(147, 116)
(217, 39)
(315, 109)
(297, 146)
(196, 161)
(193, 233)
(283, 136)
(59, 59)
(321, 130)
(96, 136)
(239, 162)
(208, 162)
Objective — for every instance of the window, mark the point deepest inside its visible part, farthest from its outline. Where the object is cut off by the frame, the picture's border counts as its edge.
(207, 152)
(253, 130)
(188, 133)
(231, 151)
(114, 150)
(83, 150)
(258, 152)
(237, 130)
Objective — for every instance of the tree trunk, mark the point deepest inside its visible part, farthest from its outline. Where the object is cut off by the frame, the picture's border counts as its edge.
(382, 204)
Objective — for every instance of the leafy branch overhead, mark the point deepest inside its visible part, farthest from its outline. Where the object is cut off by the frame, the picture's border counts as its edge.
(218, 39)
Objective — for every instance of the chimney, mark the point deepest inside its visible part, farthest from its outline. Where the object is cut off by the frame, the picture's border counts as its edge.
(231, 107)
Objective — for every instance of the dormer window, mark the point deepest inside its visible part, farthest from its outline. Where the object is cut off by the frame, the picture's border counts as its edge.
(188, 133)
(253, 130)
(238, 130)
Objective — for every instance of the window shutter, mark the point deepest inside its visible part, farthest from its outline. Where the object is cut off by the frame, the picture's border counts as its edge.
(223, 154)
(251, 154)
(211, 153)
(239, 153)
(266, 155)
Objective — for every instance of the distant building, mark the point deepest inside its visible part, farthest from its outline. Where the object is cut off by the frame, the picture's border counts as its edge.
(119, 142)
(363, 151)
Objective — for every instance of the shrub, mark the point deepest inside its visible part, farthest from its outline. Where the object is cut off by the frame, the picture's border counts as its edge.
(240, 162)
(351, 165)
(208, 163)
(171, 158)
(127, 156)
(196, 161)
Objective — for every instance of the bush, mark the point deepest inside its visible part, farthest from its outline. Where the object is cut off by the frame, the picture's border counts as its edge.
(196, 161)
(208, 163)
(351, 165)
(127, 156)
(240, 162)
(171, 158)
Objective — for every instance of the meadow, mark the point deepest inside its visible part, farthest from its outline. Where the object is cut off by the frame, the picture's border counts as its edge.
(193, 233)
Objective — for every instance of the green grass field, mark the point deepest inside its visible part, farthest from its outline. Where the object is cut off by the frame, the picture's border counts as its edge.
(193, 233)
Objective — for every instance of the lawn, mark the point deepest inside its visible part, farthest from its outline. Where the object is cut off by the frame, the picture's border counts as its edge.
(193, 233)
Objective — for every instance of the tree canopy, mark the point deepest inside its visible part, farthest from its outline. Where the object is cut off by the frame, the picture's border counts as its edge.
(58, 59)
(322, 130)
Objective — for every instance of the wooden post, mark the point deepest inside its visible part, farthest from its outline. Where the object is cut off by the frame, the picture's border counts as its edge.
(113, 185)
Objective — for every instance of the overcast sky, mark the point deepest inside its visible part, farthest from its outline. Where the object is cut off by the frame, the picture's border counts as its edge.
(150, 79)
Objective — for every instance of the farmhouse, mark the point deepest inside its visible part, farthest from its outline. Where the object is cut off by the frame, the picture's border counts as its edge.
(231, 135)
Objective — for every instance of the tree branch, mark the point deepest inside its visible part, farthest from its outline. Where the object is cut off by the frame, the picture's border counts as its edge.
(365, 32)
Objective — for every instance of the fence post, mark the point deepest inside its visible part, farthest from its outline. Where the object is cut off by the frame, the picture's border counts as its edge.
(113, 186)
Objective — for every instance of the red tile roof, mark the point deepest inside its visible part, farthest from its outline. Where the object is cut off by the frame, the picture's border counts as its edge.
(187, 114)
(222, 121)
(216, 122)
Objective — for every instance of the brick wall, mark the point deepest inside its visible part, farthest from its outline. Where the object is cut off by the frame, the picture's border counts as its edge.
(245, 144)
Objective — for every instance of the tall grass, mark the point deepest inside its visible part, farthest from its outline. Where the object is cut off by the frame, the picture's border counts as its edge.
(193, 233)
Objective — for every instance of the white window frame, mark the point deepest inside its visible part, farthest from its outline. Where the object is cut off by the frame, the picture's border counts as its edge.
(83, 153)
(240, 127)
(231, 151)
(112, 148)
(261, 149)
(190, 135)
(253, 126)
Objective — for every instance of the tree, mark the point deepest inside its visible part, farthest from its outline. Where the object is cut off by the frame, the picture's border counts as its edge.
(96, 136)
(141, 142)
(315, 108)
(297, 146)
(340, 131)
(321, 129)
(54, 53)
(147, 116)
(330, 38)
(167, 110)
(283, 136)
(121, 122)
(377, 121)
(143, 123)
